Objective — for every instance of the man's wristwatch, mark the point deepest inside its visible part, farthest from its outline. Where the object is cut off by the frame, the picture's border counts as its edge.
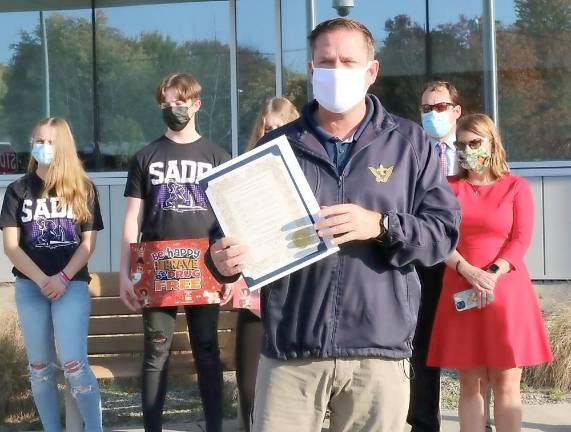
(494, 268)
(384, 224)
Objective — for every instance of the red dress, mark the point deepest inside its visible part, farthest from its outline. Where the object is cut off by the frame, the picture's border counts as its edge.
(497, 222)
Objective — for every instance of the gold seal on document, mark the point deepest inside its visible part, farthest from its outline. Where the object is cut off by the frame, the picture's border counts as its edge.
(302, 238)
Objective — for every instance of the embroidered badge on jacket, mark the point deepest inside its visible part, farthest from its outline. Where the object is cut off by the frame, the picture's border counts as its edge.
(381, 173)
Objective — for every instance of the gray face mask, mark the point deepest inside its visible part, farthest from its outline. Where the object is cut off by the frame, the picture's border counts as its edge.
(176, 117)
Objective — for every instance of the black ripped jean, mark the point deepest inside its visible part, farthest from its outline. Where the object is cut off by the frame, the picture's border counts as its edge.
(159, 326)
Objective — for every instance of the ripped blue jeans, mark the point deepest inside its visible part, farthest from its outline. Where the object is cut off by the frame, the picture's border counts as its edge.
(55, 330)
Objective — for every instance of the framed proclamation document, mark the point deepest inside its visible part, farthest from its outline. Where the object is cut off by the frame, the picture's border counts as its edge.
(263, 199)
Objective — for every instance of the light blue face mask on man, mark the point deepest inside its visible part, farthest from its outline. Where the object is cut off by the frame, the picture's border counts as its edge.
(43, 153)
(436, 124)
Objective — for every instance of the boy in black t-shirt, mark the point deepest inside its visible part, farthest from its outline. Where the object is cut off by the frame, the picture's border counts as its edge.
(164, 202)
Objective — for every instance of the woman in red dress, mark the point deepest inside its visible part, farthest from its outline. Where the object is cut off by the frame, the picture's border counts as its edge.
(488, 345)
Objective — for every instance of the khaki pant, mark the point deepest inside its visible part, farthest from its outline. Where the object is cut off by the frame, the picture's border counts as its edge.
(365, 395)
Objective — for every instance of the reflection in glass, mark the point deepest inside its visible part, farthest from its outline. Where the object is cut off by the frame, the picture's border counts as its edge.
(29, 91)
(136, 47)
(534, 62)
(256, 62)
(409, 56)
(294, 51)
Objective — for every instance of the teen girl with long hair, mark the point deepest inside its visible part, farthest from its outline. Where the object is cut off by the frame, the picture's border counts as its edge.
(50, 218)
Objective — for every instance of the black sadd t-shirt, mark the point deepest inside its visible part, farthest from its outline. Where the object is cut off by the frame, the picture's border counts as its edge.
(48, 235)
(164, 174)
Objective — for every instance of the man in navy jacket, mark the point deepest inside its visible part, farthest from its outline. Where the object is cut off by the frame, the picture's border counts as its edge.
(339, 332)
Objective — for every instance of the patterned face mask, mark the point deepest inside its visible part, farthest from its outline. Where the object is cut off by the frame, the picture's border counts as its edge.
(476, 160)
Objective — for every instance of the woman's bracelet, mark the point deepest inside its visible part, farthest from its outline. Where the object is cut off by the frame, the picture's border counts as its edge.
(63, 277)
(458, 265)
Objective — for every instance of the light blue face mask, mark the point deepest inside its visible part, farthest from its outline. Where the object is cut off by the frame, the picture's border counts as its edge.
(436, 124)
(43, 153)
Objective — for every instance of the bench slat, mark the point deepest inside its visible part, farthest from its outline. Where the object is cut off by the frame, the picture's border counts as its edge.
(104, 284)
(114, 306)
(110, 325)
(133, 343)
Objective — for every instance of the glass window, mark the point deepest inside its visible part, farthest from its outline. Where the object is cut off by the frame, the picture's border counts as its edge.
(46, 66)
(455, 49)
(409, 57)
(294, 51)
(256, 39)
(534, 68)
(136, 47)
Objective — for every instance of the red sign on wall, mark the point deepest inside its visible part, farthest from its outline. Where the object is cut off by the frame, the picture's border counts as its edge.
(173, 273)
(8, 159)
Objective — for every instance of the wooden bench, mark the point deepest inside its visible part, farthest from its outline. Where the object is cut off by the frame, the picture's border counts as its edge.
(115, 341)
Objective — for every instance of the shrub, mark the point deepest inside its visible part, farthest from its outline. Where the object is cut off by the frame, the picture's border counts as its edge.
(13, 380)
(556, 374)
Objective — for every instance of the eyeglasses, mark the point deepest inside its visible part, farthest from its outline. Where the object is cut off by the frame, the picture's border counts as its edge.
(439, 107)
(473, 144)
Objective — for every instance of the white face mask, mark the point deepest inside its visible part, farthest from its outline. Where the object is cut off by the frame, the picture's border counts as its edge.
(43, 153)
(339, 90)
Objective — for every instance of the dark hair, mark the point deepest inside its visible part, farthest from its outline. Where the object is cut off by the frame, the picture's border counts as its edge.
(342, 24)
(452, 90)
(186, 86)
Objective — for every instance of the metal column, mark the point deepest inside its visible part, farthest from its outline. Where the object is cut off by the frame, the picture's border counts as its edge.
(233, 77)
(490, 62)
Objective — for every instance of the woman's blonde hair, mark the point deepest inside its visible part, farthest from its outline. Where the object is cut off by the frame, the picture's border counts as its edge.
(278, 106)
(483, 126)
(66, 176)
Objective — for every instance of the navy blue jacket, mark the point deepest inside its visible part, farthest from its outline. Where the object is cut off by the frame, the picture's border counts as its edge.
(363, 301)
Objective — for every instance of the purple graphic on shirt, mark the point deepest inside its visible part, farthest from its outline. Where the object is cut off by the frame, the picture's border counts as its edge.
(180, 197)
(52, 233)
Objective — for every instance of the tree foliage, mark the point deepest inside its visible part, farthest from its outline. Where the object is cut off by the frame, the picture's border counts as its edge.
(121, 115)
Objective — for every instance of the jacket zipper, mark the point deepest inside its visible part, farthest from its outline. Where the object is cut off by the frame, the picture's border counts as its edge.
(340, 200)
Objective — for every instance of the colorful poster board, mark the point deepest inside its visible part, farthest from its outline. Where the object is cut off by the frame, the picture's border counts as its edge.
(173, 273)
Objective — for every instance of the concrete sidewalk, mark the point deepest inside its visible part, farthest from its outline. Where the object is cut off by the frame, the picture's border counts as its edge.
(543, 418)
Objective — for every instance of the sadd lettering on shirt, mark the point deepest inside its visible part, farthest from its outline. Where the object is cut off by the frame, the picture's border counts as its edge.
(52, 226)
(178, 171)
(46, 208)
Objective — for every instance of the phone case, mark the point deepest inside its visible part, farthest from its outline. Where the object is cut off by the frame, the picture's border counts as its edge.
(468, 299)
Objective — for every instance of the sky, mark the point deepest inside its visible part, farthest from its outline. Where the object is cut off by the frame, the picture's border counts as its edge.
(255, 20)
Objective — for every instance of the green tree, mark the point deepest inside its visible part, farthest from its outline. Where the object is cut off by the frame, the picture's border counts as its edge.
(128, 71)
(70, 81)
(456, 57)
(535, 64)
(3, 90)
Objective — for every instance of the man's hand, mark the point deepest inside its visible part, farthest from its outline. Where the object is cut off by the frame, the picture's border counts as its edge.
(228, 256)
(53, 288)
(348, 222)
(127, 294)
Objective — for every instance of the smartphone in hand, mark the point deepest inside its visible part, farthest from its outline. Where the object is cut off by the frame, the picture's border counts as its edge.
(469, 299)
